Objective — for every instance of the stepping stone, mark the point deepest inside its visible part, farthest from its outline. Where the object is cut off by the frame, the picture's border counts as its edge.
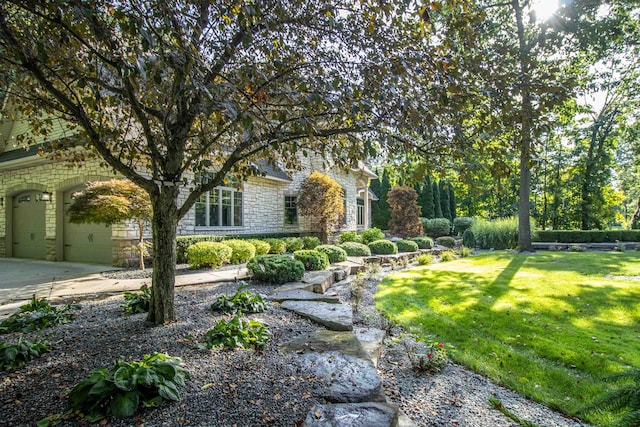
(294, 286)
(349, 379)
(321, 280)
(321, 341)
(371, 340)
(337, 317)
(303, 295)
(365, 414)
(351, 267)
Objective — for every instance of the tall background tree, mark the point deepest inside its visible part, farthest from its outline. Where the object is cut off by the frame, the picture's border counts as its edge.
(380, 208)
(425, 198)
(163, 90)
(437, 207)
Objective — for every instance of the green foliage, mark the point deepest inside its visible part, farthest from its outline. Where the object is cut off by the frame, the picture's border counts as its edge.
(465, 252)
(407, 246)
(334, 253)
(242, 250)
(448, 256)
(310, 242)
(623, 400)
(208, 254)
(237, 333)
(277, 246)
(428, 359)
(497, 404)
(16, 355)
(294, 243)
(446, 241)
(445, 204)
(383, 247)
(121, 390)
(275, 269)
(36, 315)
(468, 239)
(312, 259)
(423, 242)
(437, 207)
(349, 236)
(587, 236)
(635, 221)
(135, 302)
(262, 247)
(371, 235)
(461, 224)
(380, 209)
(424, 259)
(436, 227)
(242, 302)
(320, 199)
(425, 198)
(356, 249)
(452, 203)
(184, 242)
(405, 212)
(497, 234)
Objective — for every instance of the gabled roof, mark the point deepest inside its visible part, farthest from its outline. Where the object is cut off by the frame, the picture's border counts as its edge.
(272, 171)
(21, 153)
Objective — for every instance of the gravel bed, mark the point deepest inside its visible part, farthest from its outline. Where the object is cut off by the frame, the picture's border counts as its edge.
(240, 388)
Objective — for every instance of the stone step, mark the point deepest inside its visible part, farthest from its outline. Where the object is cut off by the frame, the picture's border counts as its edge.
(303, 295)
(371, 340)
(352, 415)
(323, 340)
(292, 286)
(320, 280)
(337, 317)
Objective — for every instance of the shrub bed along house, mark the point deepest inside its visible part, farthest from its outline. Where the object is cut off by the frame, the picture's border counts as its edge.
(423, 242)
(275, 268)
(242, 250)
(310, 242)
(356, 249)
(208, 254)
(277, 246)
(294, 243)
(262, 247)
(383, 247)
(313, 260)
(407, 246)
(334, 253)
(349, 236)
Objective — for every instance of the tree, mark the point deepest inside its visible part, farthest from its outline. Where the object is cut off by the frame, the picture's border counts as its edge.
(435, 189)
(445, 204)
(452, 202)
(161, 91)
(635, 221)
(321, 199)
(405, 212)
(425, 198)
(380, 209)
(112, 202)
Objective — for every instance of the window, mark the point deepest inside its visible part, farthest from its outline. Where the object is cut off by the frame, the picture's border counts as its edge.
(290, 210)
(344, 206)
(360, 212)
(220, 207)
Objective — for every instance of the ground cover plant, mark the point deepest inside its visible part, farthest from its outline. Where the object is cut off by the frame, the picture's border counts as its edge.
(549, 325)
(242, 302)
(36, 315)
(137, 302)
(275, 268)
(237, 333)
(16, 355)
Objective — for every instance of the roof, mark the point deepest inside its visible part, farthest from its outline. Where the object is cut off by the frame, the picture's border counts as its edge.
(273, 171)
(21, 153)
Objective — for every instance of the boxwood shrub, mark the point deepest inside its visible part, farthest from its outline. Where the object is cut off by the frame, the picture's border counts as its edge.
(334, 253)
(276, 246)
(349, 236)
(461, 224)
(356, 249)
(423, 242)
(183, 243)
(242, 250)
(407, 246)
(383, 247)
(262, 247)
(310, 242)
(208, 254)
(275, 268)
(313, 260)
(294, 243)
(371, 235)
(436, 227)
(446, 241)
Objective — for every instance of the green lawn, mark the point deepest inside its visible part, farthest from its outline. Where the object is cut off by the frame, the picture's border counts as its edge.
(548, 325)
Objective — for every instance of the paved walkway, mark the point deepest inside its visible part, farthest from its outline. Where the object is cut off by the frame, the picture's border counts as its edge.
(21, 278)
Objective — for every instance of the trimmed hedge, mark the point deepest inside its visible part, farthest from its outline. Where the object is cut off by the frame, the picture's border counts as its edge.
(423, 242)
(407, 246)
(262, 247)
(356, 249)
(313, 260)
(310, 242)
(371, 235)
(208, 254)
(446, 241)
(333, 252)
(275, 268)
(183, 243)
(243, 251)
(349, 236)
(383, 247)
(294, 243)
(436, 227)
(277, 246)
(587, 236)
(461, 224)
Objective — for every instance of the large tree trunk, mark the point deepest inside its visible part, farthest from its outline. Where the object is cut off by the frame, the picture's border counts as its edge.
(164, 224)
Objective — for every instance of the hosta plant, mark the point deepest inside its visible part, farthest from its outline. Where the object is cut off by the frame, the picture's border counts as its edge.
(237, 332)
(242, 302)
(16, 355)
(127, 386)
(137, 302)
(36, 315)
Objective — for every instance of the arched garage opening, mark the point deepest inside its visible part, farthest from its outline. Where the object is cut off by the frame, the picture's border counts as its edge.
(28, 225)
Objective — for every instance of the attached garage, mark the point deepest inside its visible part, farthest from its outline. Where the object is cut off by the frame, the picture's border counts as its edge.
(28, 229)
(89, 243)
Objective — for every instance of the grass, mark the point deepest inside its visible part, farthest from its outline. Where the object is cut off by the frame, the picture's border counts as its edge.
(547, 325)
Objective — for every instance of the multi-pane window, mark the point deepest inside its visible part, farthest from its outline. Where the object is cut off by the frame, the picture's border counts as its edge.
(290, 210)
(360, 212)
(220, 207)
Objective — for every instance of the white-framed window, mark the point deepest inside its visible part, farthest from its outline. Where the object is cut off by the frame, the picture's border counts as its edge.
(290, 210)
(360, 211)
(220, 207)
(344, 205)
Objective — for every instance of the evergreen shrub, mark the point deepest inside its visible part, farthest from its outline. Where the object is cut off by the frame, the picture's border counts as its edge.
(310, 242)
(313, 260)
(371, 235)
(294, 243)
(276, 269)
(461, 224)
(277, 246)
(446, 241)
(334, 253)
(407, 246)
(262, 247)
(423, 242)
(436, 227)
(183, 243)
(587, 236)
(468, 239)
(242, 250)
(356, 249)
(208, 254)
(349, 236)
(383, 247)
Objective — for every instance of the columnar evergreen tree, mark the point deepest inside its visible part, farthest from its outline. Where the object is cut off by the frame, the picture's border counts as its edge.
(437, 208)
(425, 199)
(380, 210)
(444, 199)
(321, 199)
(452, 202)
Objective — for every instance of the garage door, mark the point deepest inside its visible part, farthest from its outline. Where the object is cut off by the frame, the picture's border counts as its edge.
(29, 225)
(85, 242)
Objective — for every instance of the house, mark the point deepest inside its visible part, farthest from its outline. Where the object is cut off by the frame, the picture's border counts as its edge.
(35, 190)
